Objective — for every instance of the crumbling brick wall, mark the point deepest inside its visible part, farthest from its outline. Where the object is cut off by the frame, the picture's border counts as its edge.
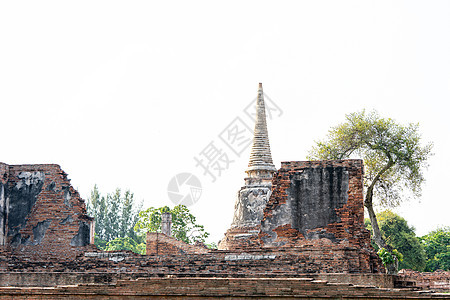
(319, 203)
(278, 262)
(438, 280)
(314, 200)
(241, 238)
(214, 288)
(315, 205)
(41, 215)
(161, 244)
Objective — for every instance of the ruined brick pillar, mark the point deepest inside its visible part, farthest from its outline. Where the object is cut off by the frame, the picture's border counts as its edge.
(253, 196)
(166, 223)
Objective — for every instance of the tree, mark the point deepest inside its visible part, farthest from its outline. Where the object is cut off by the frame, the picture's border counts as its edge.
(115, 216)
(393, 157)
(96, 207)
(437, 248)
(401, 237)
(184, 225)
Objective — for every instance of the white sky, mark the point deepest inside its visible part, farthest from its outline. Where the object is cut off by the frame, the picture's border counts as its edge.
(126, 93)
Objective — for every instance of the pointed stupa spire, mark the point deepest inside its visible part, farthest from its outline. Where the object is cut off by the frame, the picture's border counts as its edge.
(260, 164)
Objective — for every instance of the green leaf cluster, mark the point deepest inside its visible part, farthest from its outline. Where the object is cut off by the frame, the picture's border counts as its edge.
(125, 243)
(437, 248)
(389, 257)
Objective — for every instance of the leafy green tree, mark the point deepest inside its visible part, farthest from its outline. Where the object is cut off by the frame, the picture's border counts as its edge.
(125, 243)
(399, 235)
(184, 226)
(393, 156)
(115, 216)
(437, 248)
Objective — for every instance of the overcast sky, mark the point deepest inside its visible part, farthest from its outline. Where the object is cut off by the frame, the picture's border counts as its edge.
(126, 93)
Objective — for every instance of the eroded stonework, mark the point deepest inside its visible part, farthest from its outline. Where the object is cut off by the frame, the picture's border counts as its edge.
(315, 194)
(304, 205)
(41, 214)
(252, 198)
(315, 205)
(250, 204)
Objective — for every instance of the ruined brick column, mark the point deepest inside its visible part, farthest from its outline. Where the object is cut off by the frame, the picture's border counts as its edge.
(253, 196)
(166, 223)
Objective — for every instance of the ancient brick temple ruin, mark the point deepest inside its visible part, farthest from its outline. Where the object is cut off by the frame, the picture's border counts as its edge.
(297, 232)
(308, 207)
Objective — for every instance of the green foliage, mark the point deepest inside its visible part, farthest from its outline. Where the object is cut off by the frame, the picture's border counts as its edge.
(120, 226)
(398, 235)
(125, 243)
(101, 244)
(437, 248)
(392, 154)
(398, 255)
(115, 216)
(184, 225)
(212, 245)
(388, 257)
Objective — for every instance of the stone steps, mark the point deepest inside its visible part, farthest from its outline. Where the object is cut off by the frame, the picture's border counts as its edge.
(306, 288)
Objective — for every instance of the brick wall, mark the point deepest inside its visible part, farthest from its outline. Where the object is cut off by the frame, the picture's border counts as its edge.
(241, 238)
(194, 288)
(438, 280)
(50, 279)
(282, 262)
(44, 246)
(320, 200)
(322, 204)
(161, 244)
(315, 205)
(44, 217)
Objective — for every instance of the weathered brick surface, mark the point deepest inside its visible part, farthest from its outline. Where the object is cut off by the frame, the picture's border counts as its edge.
(438, 280)
(193, 288)
(161, 244)
(45, 257)
(44, 216)
(337, 232)
(50, 279)
(241, 238)
(347, 231)
(350, 224)
(282, 262)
